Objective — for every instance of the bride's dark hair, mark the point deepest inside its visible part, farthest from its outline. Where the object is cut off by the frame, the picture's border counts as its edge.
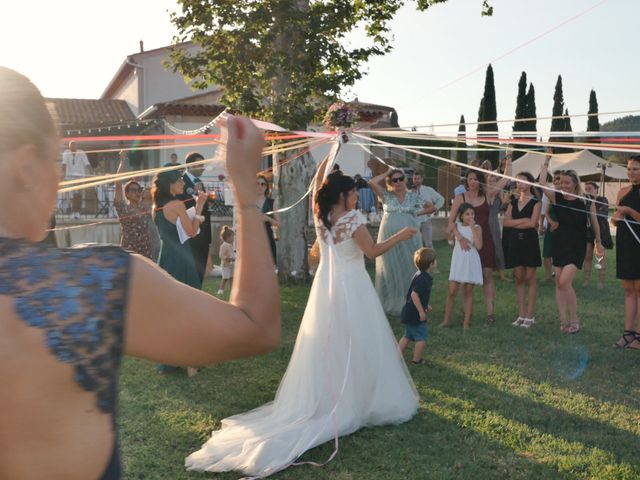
(330, 193)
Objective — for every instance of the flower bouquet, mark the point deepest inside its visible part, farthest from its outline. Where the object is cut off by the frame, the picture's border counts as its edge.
(339, 115)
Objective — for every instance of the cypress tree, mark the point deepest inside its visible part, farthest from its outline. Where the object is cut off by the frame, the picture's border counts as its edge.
(532, 125)
(521, 112)
(567, 128)
(488, 113)
(593, 124)
(461, 155)
(393, 120)
(557, 124)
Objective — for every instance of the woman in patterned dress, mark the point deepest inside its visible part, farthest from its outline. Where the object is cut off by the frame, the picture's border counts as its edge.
(134, 229)
(401, 207)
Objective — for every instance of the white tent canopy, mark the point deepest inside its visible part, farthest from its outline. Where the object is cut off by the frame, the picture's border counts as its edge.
(584, 163)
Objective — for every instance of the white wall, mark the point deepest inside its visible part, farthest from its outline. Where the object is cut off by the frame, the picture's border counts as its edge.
(351, 158)
(129, 93)
(160, 84)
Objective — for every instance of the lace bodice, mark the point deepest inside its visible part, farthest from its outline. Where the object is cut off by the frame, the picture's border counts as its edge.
(341, 235)
(77, 297)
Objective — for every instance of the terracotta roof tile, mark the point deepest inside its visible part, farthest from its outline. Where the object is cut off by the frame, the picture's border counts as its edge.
(362, 106)
(80, 112)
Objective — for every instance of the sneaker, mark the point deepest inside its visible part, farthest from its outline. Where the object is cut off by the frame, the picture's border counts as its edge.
(519, 321)
(528, 322)
(220, 292)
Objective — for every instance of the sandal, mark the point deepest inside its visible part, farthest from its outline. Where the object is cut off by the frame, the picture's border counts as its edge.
(528, 322)
(490, 321)
(628, 337)
(573, 328)
(518, 322)
(419, 362)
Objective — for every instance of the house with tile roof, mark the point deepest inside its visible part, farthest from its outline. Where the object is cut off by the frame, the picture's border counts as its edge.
(155, 93)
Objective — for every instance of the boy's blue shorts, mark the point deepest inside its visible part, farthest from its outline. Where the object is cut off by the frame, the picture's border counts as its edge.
(416, 333)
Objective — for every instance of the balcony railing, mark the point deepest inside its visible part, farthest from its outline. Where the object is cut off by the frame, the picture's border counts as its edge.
(97, 202)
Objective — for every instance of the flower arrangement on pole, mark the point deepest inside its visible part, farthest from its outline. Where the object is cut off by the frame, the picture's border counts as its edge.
(339, 115)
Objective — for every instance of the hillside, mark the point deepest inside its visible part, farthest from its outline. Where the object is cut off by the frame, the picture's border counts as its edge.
(630, 123)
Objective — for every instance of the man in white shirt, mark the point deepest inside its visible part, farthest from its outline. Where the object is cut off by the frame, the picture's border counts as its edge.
(75, 164)
(433, 202)
(460, 189)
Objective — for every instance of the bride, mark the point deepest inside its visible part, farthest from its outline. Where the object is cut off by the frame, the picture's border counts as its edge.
(345, 371)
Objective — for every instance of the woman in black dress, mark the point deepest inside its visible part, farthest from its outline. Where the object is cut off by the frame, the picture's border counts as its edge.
(523, 249)
(265, 204)
(626, 218)
(569, 241)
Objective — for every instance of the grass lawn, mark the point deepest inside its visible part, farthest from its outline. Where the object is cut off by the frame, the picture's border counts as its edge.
(499, 402)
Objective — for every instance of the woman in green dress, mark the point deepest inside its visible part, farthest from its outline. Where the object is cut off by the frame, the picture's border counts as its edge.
(176, 257)
(395, 268)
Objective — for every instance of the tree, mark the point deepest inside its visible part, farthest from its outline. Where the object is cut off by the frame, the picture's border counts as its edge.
(531, 125)
(567, 128)
(461, 155)
(558, 123)
(521, 112)
(488, 114)
(393, 120)
(283, 61)
(593, 124)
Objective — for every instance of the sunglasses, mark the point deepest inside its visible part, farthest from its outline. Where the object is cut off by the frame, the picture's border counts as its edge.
(397, 179)
(134, 190)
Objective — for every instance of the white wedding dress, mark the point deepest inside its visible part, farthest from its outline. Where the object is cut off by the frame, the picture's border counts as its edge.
(346, 371)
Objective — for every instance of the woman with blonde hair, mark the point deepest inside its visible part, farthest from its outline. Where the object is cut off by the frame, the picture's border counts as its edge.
(569, 241)
(67, 316)
(401, 208)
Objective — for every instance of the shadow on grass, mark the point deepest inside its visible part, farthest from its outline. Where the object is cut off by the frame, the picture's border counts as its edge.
(427, 447)
(552, 435)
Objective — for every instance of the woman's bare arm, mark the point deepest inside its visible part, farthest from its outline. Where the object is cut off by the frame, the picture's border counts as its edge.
(170, 322)
(372, 249)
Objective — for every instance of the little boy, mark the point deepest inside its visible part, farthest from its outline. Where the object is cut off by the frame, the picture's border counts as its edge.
(414, 312)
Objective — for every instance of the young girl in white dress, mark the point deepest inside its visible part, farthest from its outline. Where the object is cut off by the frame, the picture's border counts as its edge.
(346, 371)
(466, 268)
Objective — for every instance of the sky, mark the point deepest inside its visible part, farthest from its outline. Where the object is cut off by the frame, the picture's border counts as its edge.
(72, 49)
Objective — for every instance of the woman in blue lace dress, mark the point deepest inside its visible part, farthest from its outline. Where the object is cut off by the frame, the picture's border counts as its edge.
(401, 207)
(68, 316)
